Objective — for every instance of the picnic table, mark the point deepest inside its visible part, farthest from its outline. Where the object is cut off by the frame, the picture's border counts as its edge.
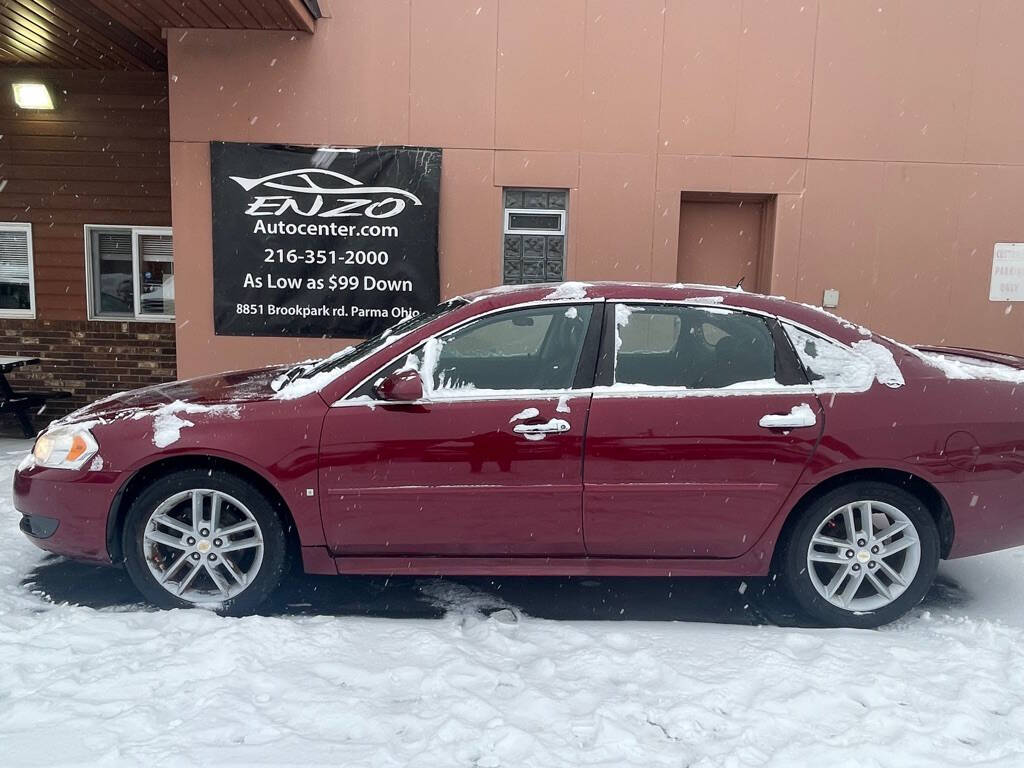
(21, 404)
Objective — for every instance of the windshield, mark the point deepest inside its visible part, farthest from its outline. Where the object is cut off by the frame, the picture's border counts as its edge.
(402, 327)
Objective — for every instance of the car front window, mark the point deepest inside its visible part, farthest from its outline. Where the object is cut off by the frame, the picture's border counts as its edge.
(535, 348)
(401, 328)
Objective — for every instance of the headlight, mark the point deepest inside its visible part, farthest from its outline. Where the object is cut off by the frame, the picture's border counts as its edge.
(64, 448)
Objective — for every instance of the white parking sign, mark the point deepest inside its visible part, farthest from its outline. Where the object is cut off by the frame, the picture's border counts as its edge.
(1007, 273)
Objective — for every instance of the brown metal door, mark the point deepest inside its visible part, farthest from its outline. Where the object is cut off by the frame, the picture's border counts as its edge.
(722, 241)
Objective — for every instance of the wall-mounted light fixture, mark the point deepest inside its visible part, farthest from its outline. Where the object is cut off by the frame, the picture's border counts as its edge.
(32, 96)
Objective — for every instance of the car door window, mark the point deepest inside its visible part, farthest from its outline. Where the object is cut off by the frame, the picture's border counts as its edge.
(533, 348)
(520, 335)
(691, 347)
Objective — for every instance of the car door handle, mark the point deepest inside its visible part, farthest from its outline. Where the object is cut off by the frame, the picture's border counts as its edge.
(799, 416)
(554, 425)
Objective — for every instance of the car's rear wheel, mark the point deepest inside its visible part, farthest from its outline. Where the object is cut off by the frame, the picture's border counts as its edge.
(204, 538)
(861, 555)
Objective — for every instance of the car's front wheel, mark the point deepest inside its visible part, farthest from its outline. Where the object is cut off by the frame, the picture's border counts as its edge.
(205, 538)
(861, 555)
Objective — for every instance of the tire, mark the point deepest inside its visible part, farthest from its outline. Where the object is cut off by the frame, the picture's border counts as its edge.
(810, 574)
(202, 569)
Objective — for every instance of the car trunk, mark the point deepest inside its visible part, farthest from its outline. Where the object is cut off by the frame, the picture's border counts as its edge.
(975, 355)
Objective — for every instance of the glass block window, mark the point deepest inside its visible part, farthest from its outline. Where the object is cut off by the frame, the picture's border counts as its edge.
(534, 235)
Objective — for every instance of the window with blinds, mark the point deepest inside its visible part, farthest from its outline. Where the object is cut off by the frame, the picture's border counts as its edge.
(17, 281)
(111, 272)
(156, 274)
(131, 273)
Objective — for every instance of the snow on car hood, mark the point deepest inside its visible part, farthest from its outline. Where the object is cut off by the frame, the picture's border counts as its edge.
(206, 391)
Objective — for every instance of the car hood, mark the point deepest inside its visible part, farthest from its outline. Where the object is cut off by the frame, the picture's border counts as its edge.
(219, 389)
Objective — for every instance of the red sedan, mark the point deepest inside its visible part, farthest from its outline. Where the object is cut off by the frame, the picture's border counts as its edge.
(578, 429)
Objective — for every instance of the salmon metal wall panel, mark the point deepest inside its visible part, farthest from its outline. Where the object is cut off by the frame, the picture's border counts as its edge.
(622, 75)
(773, 97)
(368, 63)
(453, 72)
(700, 69)
(539, 95)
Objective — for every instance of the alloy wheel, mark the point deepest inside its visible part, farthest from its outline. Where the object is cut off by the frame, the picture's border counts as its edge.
(203, 546)
(864, 555)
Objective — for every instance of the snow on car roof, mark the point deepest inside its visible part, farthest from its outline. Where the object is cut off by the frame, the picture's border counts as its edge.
(808, 314)
(602, 289)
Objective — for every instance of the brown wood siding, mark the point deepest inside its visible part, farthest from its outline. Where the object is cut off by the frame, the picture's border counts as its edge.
(126, 34)
(74, 34)
(101, 157)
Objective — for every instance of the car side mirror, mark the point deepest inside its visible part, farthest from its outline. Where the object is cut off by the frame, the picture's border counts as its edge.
(400, 387)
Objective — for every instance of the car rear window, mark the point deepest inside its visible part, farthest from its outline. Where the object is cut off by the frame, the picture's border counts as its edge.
(691, 347)
(829, 364)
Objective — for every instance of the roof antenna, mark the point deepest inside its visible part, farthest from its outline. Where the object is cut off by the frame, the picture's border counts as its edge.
(739, 285)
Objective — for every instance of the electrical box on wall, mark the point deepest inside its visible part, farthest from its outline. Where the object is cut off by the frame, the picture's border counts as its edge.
(831, 298)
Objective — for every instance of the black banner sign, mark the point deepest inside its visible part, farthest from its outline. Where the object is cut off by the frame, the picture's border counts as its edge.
(322, 242)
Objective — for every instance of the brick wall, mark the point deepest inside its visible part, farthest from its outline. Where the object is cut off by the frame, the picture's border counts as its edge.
(88, 359)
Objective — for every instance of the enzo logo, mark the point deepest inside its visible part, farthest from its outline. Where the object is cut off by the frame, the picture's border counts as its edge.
(314, 192)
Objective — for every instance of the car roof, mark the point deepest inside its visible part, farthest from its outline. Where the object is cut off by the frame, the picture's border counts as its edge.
(713, 295)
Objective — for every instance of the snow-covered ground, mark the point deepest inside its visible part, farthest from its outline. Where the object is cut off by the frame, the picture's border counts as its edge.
(432, 673)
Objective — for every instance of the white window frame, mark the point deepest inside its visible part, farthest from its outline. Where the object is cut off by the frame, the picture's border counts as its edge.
(510, 230)
(30, 313)
(137, 316)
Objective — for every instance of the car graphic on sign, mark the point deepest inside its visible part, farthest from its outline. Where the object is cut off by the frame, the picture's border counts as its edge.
(323, 194)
